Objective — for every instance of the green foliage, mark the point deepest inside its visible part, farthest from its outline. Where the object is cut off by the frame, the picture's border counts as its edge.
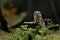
(39, 33)
(50, 23)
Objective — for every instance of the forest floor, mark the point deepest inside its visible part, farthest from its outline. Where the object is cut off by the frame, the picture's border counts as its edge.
(58, 32)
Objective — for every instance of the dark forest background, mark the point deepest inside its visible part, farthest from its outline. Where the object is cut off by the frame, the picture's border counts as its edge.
(49, 9)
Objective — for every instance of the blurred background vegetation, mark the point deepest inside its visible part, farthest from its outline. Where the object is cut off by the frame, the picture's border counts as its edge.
(40, 32)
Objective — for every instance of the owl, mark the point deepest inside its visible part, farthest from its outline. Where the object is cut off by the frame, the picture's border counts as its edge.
(38, 17)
